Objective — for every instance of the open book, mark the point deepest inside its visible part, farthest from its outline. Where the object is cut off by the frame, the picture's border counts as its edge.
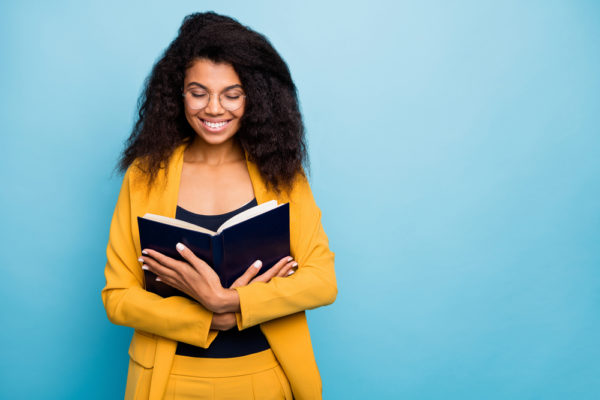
(259, 233)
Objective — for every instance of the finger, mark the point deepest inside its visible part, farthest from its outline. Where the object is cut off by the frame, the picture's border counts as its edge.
(289, 267)
(169, 278)
(247, 275)
(164, 261)
(273, 271)
(281, 263)
(190, 257)
(170, 282)
(160, 270)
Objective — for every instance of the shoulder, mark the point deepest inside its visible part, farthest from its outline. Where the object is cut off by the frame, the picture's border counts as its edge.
(301, 199)
(135, 179)
(138, 174)
(138, 178)
(298, 192)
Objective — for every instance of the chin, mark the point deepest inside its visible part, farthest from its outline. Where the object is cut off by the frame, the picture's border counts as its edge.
(214, 141)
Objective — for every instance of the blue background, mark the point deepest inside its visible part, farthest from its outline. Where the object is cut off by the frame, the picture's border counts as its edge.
(455, 156)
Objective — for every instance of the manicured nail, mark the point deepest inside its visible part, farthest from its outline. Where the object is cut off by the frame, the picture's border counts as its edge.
(158, 279)
(145, 267)
(291, 272)
(294, 265)
(290, 259)
(141, 259)
(257, 264)
(144, 252)
(180, 246)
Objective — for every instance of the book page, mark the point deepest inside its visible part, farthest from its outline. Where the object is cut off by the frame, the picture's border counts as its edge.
(249, 213)
(177, 222)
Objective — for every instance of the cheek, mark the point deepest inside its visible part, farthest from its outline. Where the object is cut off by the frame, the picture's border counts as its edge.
(239, 114)
(190, 116)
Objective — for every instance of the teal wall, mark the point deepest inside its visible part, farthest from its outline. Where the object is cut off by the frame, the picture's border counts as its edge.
(455, 156)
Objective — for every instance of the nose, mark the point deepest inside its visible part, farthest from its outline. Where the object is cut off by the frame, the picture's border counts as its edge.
(214, 105)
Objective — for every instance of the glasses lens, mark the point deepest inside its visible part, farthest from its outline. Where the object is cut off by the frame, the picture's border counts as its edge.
(196, 99)
(232, 100)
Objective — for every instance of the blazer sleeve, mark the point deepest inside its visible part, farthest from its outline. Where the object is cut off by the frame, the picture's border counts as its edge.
(125, 300)
(314, 283)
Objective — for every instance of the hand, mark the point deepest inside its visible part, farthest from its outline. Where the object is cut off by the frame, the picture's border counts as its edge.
(199, 281)
(284, 267)
(193, 277)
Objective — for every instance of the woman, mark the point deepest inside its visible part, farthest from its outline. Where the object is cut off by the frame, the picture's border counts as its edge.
(219, 130)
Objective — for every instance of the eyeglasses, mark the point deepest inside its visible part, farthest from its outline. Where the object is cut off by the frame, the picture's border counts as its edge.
(198, 98)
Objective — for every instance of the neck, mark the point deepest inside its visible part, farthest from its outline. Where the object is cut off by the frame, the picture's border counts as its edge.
(201, 152)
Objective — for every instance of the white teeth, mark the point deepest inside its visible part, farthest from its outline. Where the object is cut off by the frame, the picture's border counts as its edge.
(215, 125)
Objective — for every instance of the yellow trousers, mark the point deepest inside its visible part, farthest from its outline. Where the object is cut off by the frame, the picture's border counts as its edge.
(255, 376)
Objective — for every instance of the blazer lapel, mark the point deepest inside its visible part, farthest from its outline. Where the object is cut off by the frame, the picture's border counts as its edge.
(165, 203)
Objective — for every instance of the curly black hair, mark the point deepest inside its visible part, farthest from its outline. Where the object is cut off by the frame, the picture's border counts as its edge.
(271, 129)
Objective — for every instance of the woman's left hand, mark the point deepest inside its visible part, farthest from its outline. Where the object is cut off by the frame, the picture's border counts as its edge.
(194, 278)
(282, 268)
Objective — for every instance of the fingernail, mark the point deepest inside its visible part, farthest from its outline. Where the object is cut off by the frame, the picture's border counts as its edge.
(158, 279)
(145, 267)
(141, 259)
(257, 264)
(180, 246)
(291, 272)
(295, 264)
(290, 259)
(144, 252)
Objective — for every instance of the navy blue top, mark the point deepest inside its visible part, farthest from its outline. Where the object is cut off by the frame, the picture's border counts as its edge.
(231, 343)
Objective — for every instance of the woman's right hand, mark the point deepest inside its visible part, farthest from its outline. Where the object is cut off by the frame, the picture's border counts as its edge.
(284, 267)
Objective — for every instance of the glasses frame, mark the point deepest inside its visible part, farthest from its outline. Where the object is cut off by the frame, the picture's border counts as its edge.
(185, 92)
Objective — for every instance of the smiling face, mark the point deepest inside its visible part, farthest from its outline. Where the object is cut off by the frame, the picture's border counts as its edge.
(215, 85)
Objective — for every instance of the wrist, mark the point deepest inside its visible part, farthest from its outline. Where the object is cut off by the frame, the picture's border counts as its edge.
(227, 300)
(223, 322)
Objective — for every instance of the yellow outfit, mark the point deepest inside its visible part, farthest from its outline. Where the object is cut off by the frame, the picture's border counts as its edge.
(278, 306)
(255, 376)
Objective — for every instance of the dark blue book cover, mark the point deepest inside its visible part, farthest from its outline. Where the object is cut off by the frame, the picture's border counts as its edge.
(264, 237)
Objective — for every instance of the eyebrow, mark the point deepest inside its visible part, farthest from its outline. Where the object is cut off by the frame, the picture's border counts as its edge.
(237, 85)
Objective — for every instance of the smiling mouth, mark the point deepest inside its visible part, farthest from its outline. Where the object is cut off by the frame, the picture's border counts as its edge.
(215, 126)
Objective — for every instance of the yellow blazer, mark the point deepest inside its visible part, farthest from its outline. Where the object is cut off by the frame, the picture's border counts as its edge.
(278, 306)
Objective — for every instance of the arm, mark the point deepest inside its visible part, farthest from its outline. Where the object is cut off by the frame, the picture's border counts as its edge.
(125, 300)
(199, 281)
(283, 268)
(314, 283)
